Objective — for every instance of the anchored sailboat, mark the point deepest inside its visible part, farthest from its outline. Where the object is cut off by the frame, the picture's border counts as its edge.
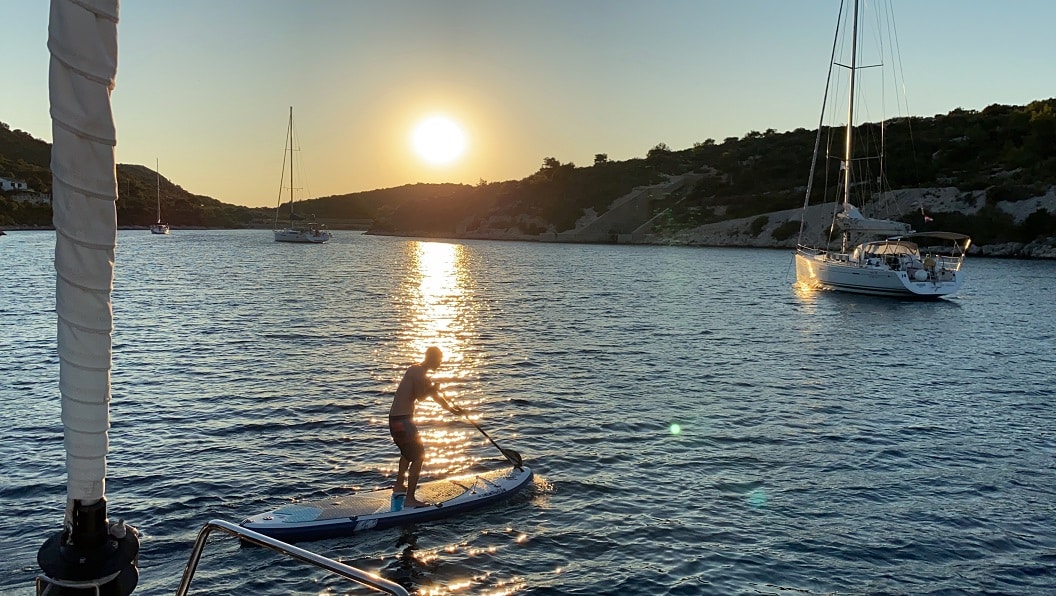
(876, 256)
(160, 227)
(297, 230)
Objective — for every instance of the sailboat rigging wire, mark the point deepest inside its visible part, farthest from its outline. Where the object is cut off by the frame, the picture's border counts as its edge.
(896, 60)
(882, 153)
(282, 177)
(821, 122)
(297, 151)
(828, 179)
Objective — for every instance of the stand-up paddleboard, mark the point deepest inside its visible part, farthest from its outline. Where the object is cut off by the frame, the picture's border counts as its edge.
(373, 509)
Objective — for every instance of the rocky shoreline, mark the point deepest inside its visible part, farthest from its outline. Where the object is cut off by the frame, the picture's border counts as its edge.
(750, 232)
(758, 231)
(934, 200)
(736, 233)
(730, 234)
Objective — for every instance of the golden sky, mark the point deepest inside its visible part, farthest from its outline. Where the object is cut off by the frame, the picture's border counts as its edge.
(205, 87)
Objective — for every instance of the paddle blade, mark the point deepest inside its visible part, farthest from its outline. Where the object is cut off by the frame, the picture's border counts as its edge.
(510, 454)
(513, 456)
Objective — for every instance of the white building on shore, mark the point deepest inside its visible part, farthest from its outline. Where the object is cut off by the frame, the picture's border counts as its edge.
(7, 184)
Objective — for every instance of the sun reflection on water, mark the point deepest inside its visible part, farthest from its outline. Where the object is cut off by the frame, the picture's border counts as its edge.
(440, 299)
(479, 582)
(438, 309)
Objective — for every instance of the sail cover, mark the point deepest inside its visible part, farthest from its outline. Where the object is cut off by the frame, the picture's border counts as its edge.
(852, 220)
(82, 39)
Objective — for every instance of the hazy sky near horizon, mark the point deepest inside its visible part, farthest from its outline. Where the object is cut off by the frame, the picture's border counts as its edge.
(205, 86)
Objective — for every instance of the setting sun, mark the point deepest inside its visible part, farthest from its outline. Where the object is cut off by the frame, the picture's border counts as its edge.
(438, 140)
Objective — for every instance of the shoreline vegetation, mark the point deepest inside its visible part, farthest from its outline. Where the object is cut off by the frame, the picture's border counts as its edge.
(730, 234)
(990, 174)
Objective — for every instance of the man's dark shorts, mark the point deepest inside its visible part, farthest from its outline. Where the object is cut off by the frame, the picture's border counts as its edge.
(405, 435)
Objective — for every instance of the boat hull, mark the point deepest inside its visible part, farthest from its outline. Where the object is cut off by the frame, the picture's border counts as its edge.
(821, 271)
(302, 236)
(159, 229)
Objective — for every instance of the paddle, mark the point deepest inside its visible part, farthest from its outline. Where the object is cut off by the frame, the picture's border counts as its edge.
(510, 454)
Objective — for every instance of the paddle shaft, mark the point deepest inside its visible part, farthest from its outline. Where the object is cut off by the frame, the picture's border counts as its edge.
(485, 434)
(510, 454)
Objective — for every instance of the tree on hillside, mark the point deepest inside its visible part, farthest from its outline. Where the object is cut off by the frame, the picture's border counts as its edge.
(659, 150)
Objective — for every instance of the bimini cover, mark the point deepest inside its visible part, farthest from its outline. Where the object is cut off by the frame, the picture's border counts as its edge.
(892, 247)
(852, 220)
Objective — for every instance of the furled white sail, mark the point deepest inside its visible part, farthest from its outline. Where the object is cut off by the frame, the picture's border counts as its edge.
(82, 39)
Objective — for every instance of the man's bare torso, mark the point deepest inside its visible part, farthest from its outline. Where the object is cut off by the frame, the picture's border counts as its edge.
(414, 386)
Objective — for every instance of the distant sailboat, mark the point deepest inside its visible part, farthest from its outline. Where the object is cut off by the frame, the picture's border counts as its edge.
(297, 231)
(884, 259)
(160, 227)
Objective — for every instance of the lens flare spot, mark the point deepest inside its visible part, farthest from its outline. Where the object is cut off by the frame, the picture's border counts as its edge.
(676, 428)
(757, 498)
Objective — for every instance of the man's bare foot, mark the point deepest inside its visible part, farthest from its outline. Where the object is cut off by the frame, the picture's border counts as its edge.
(397, 489)
(411, 503)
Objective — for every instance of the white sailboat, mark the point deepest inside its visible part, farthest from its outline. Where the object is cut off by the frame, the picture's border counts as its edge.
(876, 256)
(298, 230)
(160, 227)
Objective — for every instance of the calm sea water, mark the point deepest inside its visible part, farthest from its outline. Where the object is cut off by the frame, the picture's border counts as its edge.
(698, 425)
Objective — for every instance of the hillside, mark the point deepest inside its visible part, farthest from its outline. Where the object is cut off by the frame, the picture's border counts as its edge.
(988, 173)
(998, 165)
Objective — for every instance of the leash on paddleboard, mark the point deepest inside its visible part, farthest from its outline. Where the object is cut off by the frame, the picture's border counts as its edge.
(510, 454)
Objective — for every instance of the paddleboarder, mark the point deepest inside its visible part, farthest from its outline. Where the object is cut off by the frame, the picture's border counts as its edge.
(414, 387)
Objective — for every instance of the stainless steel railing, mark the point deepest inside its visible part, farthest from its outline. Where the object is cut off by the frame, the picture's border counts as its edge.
(45, 585)
(359, 576)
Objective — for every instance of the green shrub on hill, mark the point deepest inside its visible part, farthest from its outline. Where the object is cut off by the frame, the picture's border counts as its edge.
(786, 230)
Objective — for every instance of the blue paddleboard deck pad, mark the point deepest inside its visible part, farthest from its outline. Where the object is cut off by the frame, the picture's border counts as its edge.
(372, 510)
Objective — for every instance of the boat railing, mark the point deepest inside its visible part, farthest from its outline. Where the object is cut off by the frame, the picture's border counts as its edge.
(359, 576)
(809, 250)
(48, 585)
(943, 262)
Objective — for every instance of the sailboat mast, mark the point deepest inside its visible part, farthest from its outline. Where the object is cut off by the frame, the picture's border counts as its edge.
(290, 135)
(847, 150)
(157, 171)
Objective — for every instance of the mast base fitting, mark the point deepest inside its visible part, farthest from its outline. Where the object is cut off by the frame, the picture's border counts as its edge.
(89, 555)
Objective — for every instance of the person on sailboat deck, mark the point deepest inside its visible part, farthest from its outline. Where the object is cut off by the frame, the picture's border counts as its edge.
(414, 387)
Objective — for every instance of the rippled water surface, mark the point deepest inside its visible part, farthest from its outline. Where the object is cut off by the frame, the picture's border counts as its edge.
(697, 424)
